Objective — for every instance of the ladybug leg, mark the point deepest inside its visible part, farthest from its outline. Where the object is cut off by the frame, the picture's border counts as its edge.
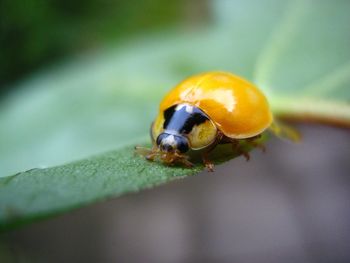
(141, 150)
(252, 141)
(208, 164)
(149, 154)
(205, 155)
(183, 159)
(238, 149)
(186, 162)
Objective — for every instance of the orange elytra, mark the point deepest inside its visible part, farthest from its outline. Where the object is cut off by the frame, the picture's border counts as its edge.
(205, 110)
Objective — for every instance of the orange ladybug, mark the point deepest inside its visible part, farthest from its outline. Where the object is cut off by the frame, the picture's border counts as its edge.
(206, 110)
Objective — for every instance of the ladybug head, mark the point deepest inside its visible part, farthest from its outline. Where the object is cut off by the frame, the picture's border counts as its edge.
(171, 143)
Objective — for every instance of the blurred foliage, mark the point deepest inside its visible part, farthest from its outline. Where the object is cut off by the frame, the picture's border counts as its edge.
(297, 52)
(34, 33)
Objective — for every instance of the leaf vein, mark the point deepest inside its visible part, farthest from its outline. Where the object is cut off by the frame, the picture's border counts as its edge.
(278, 43)
(330, 82)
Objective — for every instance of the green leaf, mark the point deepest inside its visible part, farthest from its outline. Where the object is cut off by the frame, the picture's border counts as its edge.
(39, 193)
(305, 64)
(297, 52)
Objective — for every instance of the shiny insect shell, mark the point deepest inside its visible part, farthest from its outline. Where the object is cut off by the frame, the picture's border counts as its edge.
(203, 111)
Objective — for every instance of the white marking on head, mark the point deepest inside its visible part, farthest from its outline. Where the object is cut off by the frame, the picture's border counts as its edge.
(188, 108)
(170, 140)
(180, 106)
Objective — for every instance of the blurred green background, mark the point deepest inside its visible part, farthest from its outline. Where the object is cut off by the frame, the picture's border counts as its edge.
(71, 86)
(36, 34)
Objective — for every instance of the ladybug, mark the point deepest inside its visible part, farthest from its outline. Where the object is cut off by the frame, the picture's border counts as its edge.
(206, 110)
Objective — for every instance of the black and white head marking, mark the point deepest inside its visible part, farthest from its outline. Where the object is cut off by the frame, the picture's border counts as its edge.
(182, 118)
(179, 121)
